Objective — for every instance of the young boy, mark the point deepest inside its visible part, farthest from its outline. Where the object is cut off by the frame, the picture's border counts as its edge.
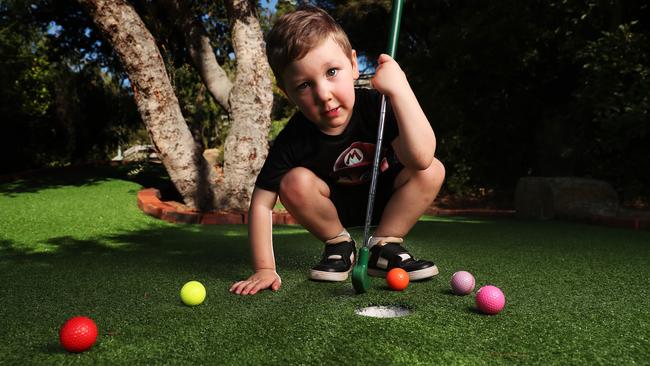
(321, 162)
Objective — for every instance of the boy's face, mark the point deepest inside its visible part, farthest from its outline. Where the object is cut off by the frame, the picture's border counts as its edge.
(321, 84)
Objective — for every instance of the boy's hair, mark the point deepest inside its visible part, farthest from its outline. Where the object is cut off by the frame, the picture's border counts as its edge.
(296, 33)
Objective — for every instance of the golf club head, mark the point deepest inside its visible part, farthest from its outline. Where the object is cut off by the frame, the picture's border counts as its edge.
(360, 278)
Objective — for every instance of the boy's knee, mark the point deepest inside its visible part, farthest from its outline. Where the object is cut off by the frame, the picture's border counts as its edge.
(432, 177)
(436, 171)
(296, 183)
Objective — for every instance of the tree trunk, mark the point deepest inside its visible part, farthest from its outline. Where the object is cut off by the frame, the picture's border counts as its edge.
(155, 98)
(251, 100)
(198, 44)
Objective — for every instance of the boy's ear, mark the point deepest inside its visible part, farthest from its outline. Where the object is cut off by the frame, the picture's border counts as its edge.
(355, 65)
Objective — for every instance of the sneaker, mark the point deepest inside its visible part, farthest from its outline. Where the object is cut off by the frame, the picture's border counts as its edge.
(389, 254)
(336, 263)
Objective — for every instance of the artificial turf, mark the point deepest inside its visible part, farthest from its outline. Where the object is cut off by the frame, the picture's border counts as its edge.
(76, 244)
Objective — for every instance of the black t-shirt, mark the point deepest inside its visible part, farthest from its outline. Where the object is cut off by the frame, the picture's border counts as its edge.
(341, 160)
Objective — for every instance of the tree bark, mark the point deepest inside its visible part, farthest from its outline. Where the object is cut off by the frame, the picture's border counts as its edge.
(198, 44)
(251, 100)
(155, 98)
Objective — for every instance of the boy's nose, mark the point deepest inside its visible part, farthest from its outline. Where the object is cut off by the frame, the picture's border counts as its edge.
(323, 92)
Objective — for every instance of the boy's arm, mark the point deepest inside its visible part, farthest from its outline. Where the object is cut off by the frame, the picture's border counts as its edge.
(260, 237)
(416, 144)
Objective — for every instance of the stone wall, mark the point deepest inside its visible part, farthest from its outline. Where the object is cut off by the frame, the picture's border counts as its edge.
(546, 198)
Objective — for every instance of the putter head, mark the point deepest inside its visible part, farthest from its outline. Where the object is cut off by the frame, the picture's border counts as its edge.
(360, 278)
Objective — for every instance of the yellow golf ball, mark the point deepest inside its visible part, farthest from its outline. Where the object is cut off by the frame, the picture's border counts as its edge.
(192, 293)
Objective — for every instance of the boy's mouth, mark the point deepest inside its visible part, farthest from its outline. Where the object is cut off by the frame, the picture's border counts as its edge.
(332, 112)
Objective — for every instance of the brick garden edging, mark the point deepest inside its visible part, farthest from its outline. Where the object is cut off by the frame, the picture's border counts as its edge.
(636, 223)
(149, 202)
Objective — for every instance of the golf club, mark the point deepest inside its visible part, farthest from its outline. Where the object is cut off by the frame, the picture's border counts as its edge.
(360, 279)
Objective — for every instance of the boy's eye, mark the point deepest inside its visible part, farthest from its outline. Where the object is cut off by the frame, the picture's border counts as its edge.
(302, 86)
(332, 72)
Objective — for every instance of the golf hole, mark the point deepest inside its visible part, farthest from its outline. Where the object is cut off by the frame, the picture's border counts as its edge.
(391, 311)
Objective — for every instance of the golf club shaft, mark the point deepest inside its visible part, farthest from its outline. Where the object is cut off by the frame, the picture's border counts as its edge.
(396, 20)
(375, 171)
(392, 46)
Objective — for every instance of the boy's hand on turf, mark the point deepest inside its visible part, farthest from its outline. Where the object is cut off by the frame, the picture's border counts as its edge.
(389, 77)
(260, 280)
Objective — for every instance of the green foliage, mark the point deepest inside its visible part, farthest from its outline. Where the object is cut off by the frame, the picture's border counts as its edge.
(281, 112)
(614, 93)
(284, 6)
(276, 127)
(59, 106)
(511, 88)
(207, 120)
(523, 88)
(32, 84)
(282, 109)
(67, 98)
(26, 95)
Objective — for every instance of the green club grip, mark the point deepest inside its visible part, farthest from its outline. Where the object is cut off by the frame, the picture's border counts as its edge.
(398, 5)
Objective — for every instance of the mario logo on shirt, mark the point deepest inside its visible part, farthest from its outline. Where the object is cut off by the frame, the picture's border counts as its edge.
(355, 156)
(354, 165)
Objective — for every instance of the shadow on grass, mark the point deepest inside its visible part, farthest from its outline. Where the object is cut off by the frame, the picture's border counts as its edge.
(448, 292)
(53, 348)
(221, 250)
(342, 291)
(146, 175)
(474, 310)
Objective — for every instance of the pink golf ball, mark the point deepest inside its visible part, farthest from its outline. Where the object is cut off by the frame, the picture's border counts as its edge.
(490, 300)
(462, 283)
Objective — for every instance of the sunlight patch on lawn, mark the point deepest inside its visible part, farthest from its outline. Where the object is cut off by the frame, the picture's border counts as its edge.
(55, 245)
(293, 229)
(35, 248)
(456, 219)
(277, 229)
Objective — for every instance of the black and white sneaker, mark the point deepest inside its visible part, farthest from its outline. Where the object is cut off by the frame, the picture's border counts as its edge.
(389, 254)
(336, 263)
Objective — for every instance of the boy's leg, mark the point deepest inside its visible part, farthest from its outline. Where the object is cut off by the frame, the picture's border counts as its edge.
(307, 198)
(414, 192)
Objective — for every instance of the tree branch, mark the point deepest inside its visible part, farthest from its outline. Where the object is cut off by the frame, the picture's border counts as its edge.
(201, 52)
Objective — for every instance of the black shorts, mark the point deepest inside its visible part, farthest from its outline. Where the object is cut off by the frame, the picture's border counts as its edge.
(351, 202)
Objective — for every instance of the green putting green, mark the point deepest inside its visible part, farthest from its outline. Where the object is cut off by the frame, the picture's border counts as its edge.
(76, 244)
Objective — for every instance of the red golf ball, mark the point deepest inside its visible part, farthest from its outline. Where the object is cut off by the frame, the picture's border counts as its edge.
(490, 300)
(78, 334)
(397, 279)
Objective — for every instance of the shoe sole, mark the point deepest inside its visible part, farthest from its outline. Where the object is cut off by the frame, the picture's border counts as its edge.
(328, 276)
(420, 274)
